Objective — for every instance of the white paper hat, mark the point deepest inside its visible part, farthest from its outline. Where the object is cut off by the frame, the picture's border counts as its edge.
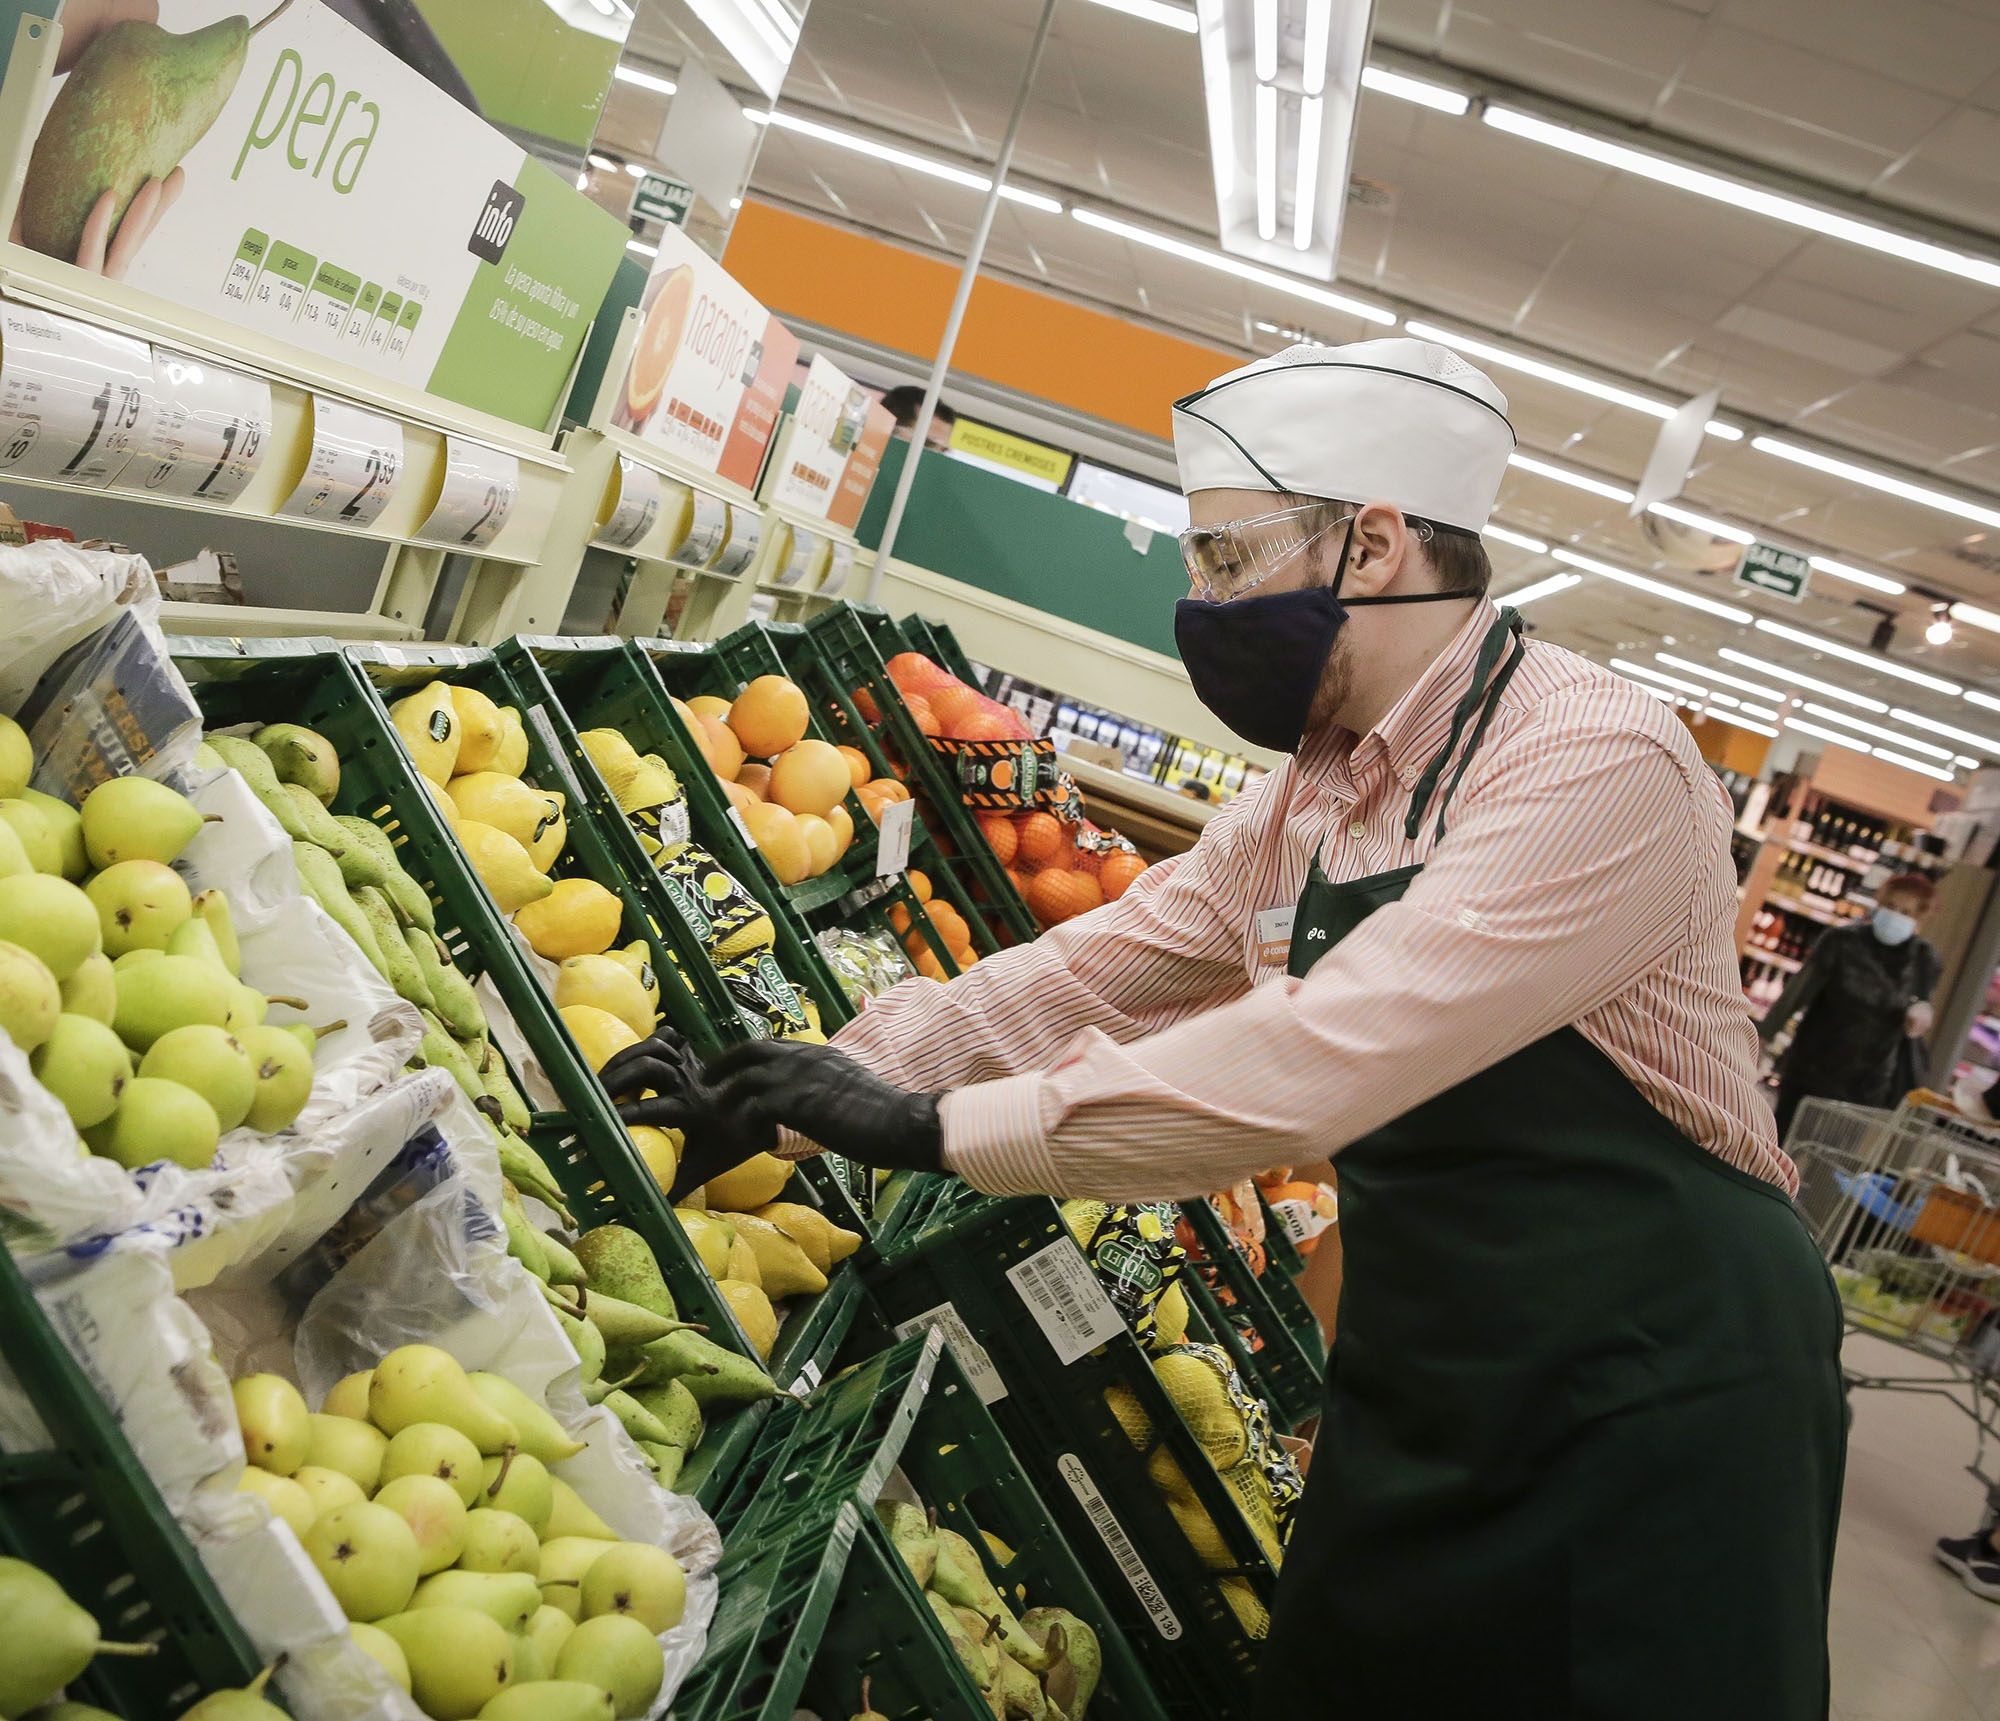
(1401, 421)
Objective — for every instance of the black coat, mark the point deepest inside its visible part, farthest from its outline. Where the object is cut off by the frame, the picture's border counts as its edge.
(1852, 995)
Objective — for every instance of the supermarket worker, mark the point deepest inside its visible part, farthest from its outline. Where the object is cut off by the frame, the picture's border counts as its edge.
(1582, 1444)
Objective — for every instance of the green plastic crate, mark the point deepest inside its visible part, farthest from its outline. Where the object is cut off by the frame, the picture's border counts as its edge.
(949, 1264)
(1284, 1360)
(911, 1409)
(86, 1513)
(584, 1143)
(938, 643)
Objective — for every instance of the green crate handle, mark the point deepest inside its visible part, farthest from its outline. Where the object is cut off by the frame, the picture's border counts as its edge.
(1292, 1375)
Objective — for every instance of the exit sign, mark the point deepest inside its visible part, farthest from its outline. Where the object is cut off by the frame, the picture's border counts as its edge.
(658, 198)
(1770, 569)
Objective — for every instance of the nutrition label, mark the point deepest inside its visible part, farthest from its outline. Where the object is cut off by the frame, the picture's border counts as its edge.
(320, 300)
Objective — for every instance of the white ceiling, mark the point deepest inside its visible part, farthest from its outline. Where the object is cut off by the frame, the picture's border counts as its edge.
(1896, 106)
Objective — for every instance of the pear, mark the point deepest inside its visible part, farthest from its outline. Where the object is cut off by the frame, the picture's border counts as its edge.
(1020, 1695)
(435, 1514)
(173, 993)
(209, 1060)
(282, 1072)
(420, 1383)
(353, 1448)
(302, 756)
(520, 1486)
(30, 999)
(50, 1640)
(460, 1660)
(510, 1599)
(503, 866)
(213, 907)
(17, 758)
(60, 923)
(961, 1579)
(497, 1541)
(195, 937)
(540, 1435)
(529, 1667)
(38, 841)
(368, 1556)
(240, 1703)
(85, 1065)
(276, 1426)
(619, 1655)
(138, 903)
(565, 1562)
(92, 990)
(68, 1711)
(551, 1700)
(383, 1650)
(1075, 1657)
(65, 824)
(158, 1120)
(328, 1490)
(621, 1265)
(135, 818)
(348, 1396)
(287, 1500)
(571, 1519)
(914, 1536)
(639, 1579)
(14, 862)
(718, 1378)
(435, 1449)
(548, 1631)
(428, 724)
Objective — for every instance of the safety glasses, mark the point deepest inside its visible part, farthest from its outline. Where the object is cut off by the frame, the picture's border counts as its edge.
(1225, 561)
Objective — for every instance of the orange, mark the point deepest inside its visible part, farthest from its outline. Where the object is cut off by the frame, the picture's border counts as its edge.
(757, 779)
(725, 752)
(779, 839)
(769, 715)
(858, 767)
(864, 702)
(920, 883)
(842, 823)
(822, 847)
(899, 917)
(964, 958)
(889, 789)
(954, 707)
(1038, 836)
(1055, 895)
(930, 967)
(709, 705)
(740, 798)
(1001, 837)
(1017, 880)
(659, 340)
(950, 923)
(872, 802)
(915, 673)
(1116, 874)
(985, 725)
(810, 777)
(924, 713)
(687, 712)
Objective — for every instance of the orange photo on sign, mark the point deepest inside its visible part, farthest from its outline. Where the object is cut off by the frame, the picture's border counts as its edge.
(659, 340)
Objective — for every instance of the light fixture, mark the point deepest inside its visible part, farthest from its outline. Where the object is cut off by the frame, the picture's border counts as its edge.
(1426, 95)
(1781, 673)
(1755, 198)
(1275, 279)
(1180, 18)
(1520, 540)
(1856, 576)
(1973, 616)
(1974, 697)
(1266, 102)
(1312, 120)
(1702, 522)
(1888, 484)
(1833, 735)
(1965, 764)
(1568, 475)
(1929, 748)
(603, 163)
(635, 170)
(1763, 711)
(1917, 765)
(640, 246)
(1542, 589)
(1318, 37)
(899, 157)
(1867, 659)
(1939, 631)
(1728, 699)
(1719, 675)
(1625, 666)
(644, 80)
(1264, 32)
(1598, 389)
(759, 37)
(1737, 722)
(1659, 589)
(1970, 737)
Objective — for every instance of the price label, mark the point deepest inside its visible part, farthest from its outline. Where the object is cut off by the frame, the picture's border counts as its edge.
(973, 1357)
(480, 486)
(892, 849)
(739, 549)
(357, 457)
(640, 494)
(837, 569)
(707, 535)
(1065, 1299)
(210, 429)
(76, 403)
(805, 546)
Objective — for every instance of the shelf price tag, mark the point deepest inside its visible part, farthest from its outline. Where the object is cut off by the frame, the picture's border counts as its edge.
(210, 430)
(892, 848)
(480, 487)
(837, 570)
(76, 402)
(357, 457)
(805, 546)
(707, 535)
(639, 497)
(746, 537)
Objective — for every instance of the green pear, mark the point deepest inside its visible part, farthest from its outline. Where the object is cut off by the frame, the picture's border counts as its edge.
(639, 1579)
(348, 1396)
(302, 756)
(50, 1640)
(460, 1659)
(570, 1518)
(497, 1541)
(548, 1631)
(529, 1667)
(65, 824)
(353, 1448)
(138, 903)
(435, 1449)
(194, 937)
(14, 862)
(565, 1562)
(17, 758)
(435, 1514)
(276, 1426)
(135, 818)
(30, 999)
(383, 1650)
(85, 1065)
(420, 1383)
(619, 1655)
(38, 842)
(283, 1072)
(60, 923)
(241, 1703)
(368, 1556)
(174, 992)
(213, 907)
(328, 1490)
(507, 1598)
(519, 1484)
(67, 1711)
(92, 989)
(208, 1059)
(158, 1120)
(287, 1500)
(540, 1434)
(551, 1700)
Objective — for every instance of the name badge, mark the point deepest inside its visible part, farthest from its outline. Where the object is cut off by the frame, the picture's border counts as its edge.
(1274, 934)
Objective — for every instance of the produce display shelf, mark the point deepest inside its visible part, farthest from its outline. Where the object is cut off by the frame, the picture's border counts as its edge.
(961, 1260)
(583, 1142)
(88, 1515)
(1277, 1348)
(1280, 1252)
(909, 1412)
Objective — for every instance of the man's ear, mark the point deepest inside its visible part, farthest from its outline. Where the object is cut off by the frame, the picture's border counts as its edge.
(1377, 554)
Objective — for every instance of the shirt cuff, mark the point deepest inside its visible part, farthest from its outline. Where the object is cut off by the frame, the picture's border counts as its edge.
(794, 1146)
(995, 1139)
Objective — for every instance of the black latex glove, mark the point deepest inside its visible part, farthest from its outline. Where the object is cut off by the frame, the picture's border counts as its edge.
(713, 1141)
(827, 1096)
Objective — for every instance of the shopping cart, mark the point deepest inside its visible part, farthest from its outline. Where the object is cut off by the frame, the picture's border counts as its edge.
(1905, 1206)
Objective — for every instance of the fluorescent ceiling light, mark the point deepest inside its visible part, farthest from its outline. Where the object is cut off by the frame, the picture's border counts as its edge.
(1266, 122)
(1598, 389)
(1661, 694)
(1857, 576)
(1728, 699)
(1625, 666)
(1542, 589)
(1794, 676)
(1319, 33)
(1703, 669)
(1737, 722)
(1754, 198)
(1867, 659)
(1566, 475)
(900, 157)
(1833, 735)
(1265, 39)
(1975, 697)
(603, 163)
(644, 80)
(1832, 716)
(1702, 522)
(1673, 594)
(1272, 278)
(1972, 738)
(635, 170)
(1312, 120)
(1425, 95)
(1909, 764)
(1883, 481)
(640, 246)
(1180, 18)
(1973, 616)
(1966, 764)
(1520, 540)
(1763, 711)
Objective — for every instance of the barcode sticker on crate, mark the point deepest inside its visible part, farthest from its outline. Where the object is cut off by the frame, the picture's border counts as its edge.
(808, 1378)
(538, 720)
(971, 1354)
(1068, 1304)
(1105, 1522)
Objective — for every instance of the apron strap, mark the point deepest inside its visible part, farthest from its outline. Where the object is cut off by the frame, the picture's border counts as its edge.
(1482, 696)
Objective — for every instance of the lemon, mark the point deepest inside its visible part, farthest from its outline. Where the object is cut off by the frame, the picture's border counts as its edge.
(660, 1149)
(746, 1187)
(479, 729)
(512, 754)
(742, 1263)
(579, 917)
(428, 723)
(638, 958)
(599, 1035)
(783, 1268)
(532, 817)
(503, 866)
(613, 756)
(754, 1310)
(607, 983)
(711, 1236)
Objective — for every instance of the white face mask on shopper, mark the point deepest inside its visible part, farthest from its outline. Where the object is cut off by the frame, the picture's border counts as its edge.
(1892, 927)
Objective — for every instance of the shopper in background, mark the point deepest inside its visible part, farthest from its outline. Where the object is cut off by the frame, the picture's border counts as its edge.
(1863, 1003)
(1581, 1448)
(906, 402)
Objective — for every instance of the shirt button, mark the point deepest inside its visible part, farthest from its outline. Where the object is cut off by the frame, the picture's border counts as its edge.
(1471, 919)
(1407, 775)
(1357, 830)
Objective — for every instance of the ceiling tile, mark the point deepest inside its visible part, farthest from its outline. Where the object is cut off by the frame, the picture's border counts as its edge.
(1610, 53)
(1953, 173)
(1919, 42)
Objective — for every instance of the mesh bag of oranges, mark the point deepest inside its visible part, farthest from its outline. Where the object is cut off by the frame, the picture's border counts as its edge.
(993, 757)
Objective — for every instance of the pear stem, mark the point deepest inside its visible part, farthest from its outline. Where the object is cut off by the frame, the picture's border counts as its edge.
(866, 1682)
(132, 1649)
(216, 818)
(330, 1028)
(272, 16)
(288, 1002)
(500, 1477)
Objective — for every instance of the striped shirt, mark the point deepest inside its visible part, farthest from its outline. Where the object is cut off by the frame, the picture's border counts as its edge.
(1156, 1048)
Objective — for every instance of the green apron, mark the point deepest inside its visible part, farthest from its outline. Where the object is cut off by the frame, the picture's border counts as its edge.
(1583, 1438)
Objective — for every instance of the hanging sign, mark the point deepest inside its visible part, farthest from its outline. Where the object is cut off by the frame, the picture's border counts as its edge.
(1034, 461)
(480, 485)
(357, 457)
(658, 198)
(76, 402)
(211, 426)
(1769, 568)
(640, 493)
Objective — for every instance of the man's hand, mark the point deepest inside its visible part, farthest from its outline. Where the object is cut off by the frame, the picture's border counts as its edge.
(666, 1090)
(1917, 1019)
(827, 1096)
